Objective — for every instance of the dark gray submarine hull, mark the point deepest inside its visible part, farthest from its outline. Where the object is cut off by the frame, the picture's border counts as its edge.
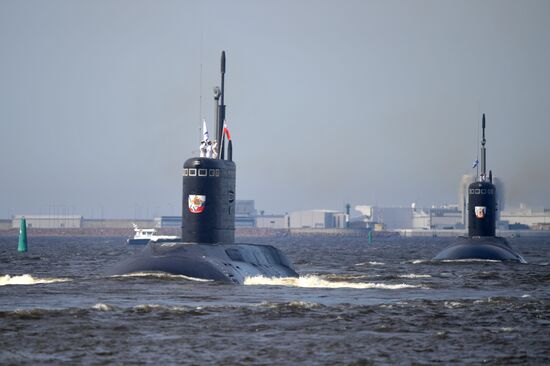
(485, 248)
(229, 263)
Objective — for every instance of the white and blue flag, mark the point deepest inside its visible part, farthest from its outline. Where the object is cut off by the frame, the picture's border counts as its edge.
(204, 131)
(475, 163)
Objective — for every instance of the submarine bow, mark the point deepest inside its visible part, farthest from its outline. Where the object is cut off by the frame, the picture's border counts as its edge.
(207, 249)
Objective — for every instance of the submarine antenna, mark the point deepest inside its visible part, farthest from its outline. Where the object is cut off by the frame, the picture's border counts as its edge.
(200, 83)
(222, 101)
(221, 110)
(483, 149)
(477, 155)
(217, 93)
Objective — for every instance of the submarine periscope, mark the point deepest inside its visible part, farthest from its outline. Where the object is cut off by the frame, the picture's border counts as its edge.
(481, 242)
(207, 248)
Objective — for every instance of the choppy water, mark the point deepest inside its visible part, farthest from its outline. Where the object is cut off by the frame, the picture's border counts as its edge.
(355, 304)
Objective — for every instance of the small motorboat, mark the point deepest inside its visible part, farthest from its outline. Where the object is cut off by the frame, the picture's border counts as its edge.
(144, 236)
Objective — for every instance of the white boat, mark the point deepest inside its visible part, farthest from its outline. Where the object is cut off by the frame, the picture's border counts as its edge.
(144, 236)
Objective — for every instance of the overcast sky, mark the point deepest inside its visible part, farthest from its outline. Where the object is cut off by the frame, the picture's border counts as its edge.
(328, 102)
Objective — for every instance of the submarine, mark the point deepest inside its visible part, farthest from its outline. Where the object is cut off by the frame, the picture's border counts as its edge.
(481, 242)
(207, 248)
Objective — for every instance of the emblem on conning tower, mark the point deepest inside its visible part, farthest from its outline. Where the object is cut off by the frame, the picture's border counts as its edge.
(196, 203)
(480, 211)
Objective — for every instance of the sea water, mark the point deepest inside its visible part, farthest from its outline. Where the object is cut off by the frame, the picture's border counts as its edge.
(354, 303)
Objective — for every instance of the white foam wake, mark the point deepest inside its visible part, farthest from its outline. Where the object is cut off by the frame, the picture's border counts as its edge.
(103, 307)
(163, 275)
(27, 279)
(420, 261)
(473, 260)
(412, 275)
(312, 281)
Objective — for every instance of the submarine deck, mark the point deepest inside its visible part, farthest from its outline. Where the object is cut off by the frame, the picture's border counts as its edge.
(480, 247)
(230, 263)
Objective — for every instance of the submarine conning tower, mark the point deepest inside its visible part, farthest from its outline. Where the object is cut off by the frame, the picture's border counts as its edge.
(208, 207)
(482, 204)
(481, 242)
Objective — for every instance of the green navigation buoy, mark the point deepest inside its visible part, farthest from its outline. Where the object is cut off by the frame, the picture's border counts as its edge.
(370, 236)
(22, 236)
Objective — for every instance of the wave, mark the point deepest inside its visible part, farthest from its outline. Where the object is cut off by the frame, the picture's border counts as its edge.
(420, 261)
(150, 308)
(28, 279)
(370, 263)
(345, 277)
(141, 308)
(156, 308)
(453, 304)
(333, 277)
(312, 281)
(412, 275)
(104, 307)
(162, 275)
(470, 260)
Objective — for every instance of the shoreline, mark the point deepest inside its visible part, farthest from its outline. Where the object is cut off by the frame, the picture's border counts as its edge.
(239, 232)
(260, 232)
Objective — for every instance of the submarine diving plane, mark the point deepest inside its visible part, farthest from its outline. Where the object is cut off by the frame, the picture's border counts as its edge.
(481, 242)
(207, 248)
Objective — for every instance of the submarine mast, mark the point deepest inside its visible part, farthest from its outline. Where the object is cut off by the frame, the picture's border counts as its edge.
(220, 115)
(483, 149)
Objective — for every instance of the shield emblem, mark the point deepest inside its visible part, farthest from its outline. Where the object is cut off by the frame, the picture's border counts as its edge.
(480, 211)
(196, 203)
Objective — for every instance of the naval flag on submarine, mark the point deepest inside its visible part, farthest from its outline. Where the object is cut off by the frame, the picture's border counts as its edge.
(208, 149)
(226, 131)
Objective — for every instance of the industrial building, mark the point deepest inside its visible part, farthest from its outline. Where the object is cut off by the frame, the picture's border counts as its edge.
(443, 217)
(392, 218)
(49, 221)
(395, 218)
(317, 219)
(245, 213)
(272, 222)
(6, 224)
(167, 221)
(536, 218)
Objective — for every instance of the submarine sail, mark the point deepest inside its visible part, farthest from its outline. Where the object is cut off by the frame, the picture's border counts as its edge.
(481, 242)
(207, 249)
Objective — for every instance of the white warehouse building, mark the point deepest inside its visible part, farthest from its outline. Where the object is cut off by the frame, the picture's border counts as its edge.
(317, 219)
(49, 221)
(391, 217)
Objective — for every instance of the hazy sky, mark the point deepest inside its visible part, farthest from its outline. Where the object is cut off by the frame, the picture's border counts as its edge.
(328, 102)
